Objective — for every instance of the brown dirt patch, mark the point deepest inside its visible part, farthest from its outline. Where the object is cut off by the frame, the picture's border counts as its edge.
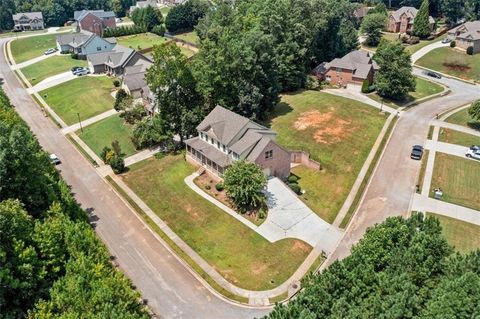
(329, 128)
(299, 245)
(458, 68)
(258, 268)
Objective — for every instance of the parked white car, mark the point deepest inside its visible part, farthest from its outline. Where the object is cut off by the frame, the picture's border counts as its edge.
(54, 159)
(50, 51)
(473, 154)
(81, 71)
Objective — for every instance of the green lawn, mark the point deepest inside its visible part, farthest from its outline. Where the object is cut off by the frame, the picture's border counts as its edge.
(462, 118)
(104, 132)
(455, 137)
(459, 179)
(468, 65)
(410, 48)
(87, 95)
(28, 48)
(53, 65)
(238, 253)
(19, 34)
(465, 237)
(337, 132)
(189, 37)
(423, 89)
(141, 41)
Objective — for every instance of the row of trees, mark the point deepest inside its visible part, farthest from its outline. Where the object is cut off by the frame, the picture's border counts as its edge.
(184, 17)
(147, 17)
(52, 263)
(402, 268)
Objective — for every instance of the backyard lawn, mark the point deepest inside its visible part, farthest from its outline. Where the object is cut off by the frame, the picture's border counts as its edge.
(104, 132)
(453, 62)
(455, 137)
(141, 41)
(41, 70)
(238, 253)
(189, 37)
(28, 48)
(423, 89)
(462, 118)
(87, 95)
(337, 132)
(458, 178)
(465, 237)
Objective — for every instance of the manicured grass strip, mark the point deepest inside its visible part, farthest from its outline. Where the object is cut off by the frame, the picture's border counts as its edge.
(468, 66)
(430, 132)
(465, 237)
(85, 154)
(337, 132)
(367, 177)
(141, 41)
(423, 167)
(423, 43)
(423, 89)
(238, 253)
(103, 133)
(25, 49)
(191, 37)
(462, 118)
(34, 97)
(49, 67)
(459, 179)
(459, 138)
(19, 34)
(174, 246)
(88, 95)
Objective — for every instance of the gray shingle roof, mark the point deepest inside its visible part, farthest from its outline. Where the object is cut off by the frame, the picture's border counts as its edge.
(359, 61)
(115, 58)
(30, 15)
(79, 15)
(134, 76)
(74, 39)
(468, 30)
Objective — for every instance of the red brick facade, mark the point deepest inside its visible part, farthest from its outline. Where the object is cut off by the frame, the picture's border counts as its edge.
(95, 24)
(342, 77)
(402, 26)
(274, 160)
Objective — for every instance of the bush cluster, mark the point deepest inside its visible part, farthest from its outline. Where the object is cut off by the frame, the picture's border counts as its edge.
(123, 30)
(453, 44)
(114, 157)
(470, 50)
(219, 187)
(292, 182)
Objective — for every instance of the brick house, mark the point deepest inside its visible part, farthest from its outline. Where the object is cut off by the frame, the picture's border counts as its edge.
(225, 137)
(94, 21)
(466, 35)
(402, 20)
(28, 21)
(355, 67)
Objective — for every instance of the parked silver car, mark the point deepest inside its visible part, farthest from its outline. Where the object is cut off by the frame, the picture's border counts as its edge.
(475, 154)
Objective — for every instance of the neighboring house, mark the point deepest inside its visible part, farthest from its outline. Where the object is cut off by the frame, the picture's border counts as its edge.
(115, 61)
(355, 67)
(84, 43)
(361, 12)
(28, 21)
(144, 4)
(94, 21)
(135, 84)
(225, 137)
(466, 35)
(402, 20)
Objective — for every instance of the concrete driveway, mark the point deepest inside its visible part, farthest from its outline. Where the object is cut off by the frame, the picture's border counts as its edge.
(33, 61)
(447, 148)
(289, 217)
(417, 55)
(52, 81)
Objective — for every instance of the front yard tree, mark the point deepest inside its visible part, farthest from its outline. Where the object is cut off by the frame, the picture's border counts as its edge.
(176, 96)
(372, 26)
(244, 183)
(394, 79)
(421, 25)
(453, 10)
(474, 110)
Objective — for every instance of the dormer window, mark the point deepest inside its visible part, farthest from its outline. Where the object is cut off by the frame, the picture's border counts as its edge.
(218, 145)
(269, 154)
(224, 148)
(235, 156)
(212, 141)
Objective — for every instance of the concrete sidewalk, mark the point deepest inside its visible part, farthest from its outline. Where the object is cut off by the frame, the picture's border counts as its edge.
(33, 61)
(358, 96)
(52, 81)
(89, 121)
(426, 204)
(455, 127)
(446, 148)
(143, 155)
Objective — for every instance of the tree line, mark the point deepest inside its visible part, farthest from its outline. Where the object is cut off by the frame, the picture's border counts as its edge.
(402, 268)
(52, 263)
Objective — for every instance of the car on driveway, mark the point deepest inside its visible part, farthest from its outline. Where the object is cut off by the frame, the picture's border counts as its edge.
(475, 147)
(54, 159)
(432, 74)
(81, 71)
(76, 68)
(446, 40)
(50, 51)
(417, 152)
(475, 154)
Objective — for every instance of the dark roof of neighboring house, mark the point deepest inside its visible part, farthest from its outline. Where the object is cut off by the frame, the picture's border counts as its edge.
(134, 76)
(411, 13)
(361, 12)
(118, 57)
(78, 39)
(359, 61)
(144, 4)
(468, 30)
(30, 15)
(79, 15)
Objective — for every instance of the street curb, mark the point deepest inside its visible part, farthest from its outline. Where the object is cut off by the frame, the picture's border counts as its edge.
(446, 75)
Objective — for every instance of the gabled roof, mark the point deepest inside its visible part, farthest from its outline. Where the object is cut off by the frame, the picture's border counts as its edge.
(134, 76)
(75, 40)
(118, 57)
(410, 12)
(468, 30)
(79, 15)
(30, 15)
(358, 61)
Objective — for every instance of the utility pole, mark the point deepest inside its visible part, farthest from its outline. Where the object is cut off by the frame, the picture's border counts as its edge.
(79, 121)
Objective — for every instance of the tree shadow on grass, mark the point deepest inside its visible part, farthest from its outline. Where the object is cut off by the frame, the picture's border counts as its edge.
(280, 109)
(474, 125)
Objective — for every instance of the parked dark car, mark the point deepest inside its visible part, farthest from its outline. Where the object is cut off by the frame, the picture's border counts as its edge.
(417, 152)
(433, 74)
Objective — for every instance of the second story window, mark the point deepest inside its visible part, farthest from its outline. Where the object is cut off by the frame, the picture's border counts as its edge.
(99, 48)
(269, 154)
(224, 148)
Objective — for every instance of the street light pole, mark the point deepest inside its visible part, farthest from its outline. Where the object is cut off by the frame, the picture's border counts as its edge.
(80, 121)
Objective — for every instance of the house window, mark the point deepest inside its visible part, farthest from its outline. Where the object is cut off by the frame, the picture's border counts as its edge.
(212, 141)
(201, 135)
(99, 48)
(235, 156)
(339, 70)
(269, 154)
(224, 148)
(218, 145)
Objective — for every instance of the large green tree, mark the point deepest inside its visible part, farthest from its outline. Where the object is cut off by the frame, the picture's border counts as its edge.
(184, 17)
(147, 17)
(421, 25)
(474, 110)
(372, 26)
(394, 79)
(402, 268)
(176, 98)
(7, 9)
(453, 10)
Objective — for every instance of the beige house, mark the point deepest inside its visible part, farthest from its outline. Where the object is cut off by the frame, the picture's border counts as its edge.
(225, 137)
(402, 20)
(466, 35)
(28, 21)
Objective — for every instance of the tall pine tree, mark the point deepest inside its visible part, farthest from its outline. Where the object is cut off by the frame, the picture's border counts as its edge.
(421, 27)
